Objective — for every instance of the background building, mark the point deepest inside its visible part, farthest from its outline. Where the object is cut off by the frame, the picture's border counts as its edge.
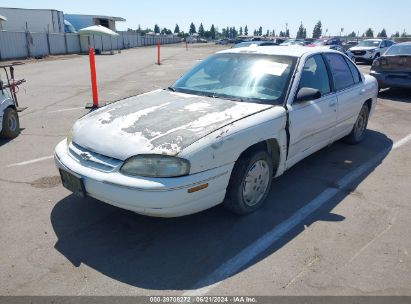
(34, 20)
(82, 21)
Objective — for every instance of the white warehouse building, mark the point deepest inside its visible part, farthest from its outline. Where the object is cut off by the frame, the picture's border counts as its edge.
(82, 21)
(33, 20)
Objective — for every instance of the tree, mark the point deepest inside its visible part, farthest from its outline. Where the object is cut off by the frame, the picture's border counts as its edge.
(369, 33)
(404, 34)
(287, 33)
(273, 33)
(352, 35)
(241, 31)
(166, 31)
(246, 30)
(176, 29)
(318, 31)
(382, 34)
(260, 31)
(192, 29)
(396, 35)
(201, 30)
(302, 32)
(282, 34)
(268, 33)
(212, 32)
(156, 29)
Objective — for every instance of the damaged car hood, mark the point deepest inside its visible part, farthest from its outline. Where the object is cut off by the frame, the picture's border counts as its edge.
(158, 122)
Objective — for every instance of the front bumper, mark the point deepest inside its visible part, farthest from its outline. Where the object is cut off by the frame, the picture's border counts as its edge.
(367, 57)
(163, 197)
(392, 80)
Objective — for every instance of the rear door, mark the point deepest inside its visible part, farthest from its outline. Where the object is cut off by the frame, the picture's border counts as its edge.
(349, 90)
(312, 123)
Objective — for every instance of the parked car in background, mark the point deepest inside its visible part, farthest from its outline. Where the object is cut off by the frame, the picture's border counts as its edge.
(293, 42)
(393, 69)
(220, 133)
(278, 40)
(9, 118)
(253, 44)
(340, 49)
(369, 49)
(308, 41)
(222, 41)
(349, 44)
(325, 41)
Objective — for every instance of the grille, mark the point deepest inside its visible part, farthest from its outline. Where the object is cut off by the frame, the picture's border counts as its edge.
(359, 52)
(92, 159)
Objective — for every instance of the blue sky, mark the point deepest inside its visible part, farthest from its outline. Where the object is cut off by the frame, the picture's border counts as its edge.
(270, 14)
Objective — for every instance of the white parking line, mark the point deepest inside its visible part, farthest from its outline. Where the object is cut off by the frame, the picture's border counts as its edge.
(28, 162)
(68, 109)
(244, 257)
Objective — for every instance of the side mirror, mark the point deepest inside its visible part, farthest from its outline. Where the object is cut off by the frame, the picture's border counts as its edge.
(307, 94)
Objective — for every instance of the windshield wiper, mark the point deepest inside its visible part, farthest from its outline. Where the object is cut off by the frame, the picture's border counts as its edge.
(171, 89)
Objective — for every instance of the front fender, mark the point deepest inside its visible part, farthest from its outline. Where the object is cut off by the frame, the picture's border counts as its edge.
(225, 145)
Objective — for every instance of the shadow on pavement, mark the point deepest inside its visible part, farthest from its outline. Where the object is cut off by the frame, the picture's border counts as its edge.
(4, 141)
(396, 94)
(177, 253)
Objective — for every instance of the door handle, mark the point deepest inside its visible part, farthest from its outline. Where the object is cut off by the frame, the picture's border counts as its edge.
(362, 91)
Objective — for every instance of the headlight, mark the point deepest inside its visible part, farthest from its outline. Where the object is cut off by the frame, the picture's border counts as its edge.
(69, 138)
(155, 166)
(371, 51)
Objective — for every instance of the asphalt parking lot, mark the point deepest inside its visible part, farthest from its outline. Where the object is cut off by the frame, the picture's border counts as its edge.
(52, 243)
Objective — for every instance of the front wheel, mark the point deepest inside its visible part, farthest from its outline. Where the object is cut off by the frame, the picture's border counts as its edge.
(11, 124)
(250, 183)
(358, 131)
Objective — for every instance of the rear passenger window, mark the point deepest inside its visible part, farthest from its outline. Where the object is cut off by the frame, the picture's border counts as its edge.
(315, 76)
(341, 72)
(354, 71)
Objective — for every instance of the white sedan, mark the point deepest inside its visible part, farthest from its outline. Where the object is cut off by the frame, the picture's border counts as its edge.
(220, 133)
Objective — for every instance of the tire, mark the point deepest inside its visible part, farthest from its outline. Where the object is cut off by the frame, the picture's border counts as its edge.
(358, 131)
(250, 182)
(11, 124)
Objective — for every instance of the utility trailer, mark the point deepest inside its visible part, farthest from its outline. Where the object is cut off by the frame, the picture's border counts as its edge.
(9, 106)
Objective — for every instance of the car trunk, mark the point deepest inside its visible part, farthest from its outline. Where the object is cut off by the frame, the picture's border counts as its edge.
(400, 63)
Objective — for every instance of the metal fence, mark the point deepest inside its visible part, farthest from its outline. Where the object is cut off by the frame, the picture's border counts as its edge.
(17, 45)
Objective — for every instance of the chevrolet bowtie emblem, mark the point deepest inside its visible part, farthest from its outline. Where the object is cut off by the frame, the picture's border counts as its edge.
(85, 156)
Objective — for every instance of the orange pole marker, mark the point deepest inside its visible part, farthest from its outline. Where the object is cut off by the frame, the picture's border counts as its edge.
(158, 52)
(93, 77)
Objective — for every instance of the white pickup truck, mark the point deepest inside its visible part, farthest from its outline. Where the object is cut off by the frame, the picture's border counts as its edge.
(220, 133)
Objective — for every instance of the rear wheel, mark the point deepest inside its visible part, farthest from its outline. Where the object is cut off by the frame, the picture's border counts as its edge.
(250, 182)
(358, 131)
(11, 124)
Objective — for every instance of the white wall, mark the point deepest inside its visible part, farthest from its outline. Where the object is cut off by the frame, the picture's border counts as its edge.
(37, 20)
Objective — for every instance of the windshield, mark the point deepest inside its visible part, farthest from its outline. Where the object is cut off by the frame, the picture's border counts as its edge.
(245, 44)
(369, 43)
(243, 77)
(399, 50)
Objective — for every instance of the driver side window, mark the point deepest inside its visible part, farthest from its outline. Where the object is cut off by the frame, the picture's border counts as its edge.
(315, 76)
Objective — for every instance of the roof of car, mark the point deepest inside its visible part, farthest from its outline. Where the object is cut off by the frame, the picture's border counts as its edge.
(376, 39)
(404, 43)
(293, 51)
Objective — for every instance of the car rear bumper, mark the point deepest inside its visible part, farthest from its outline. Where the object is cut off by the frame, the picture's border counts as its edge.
(162, 197)
(395, 80)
